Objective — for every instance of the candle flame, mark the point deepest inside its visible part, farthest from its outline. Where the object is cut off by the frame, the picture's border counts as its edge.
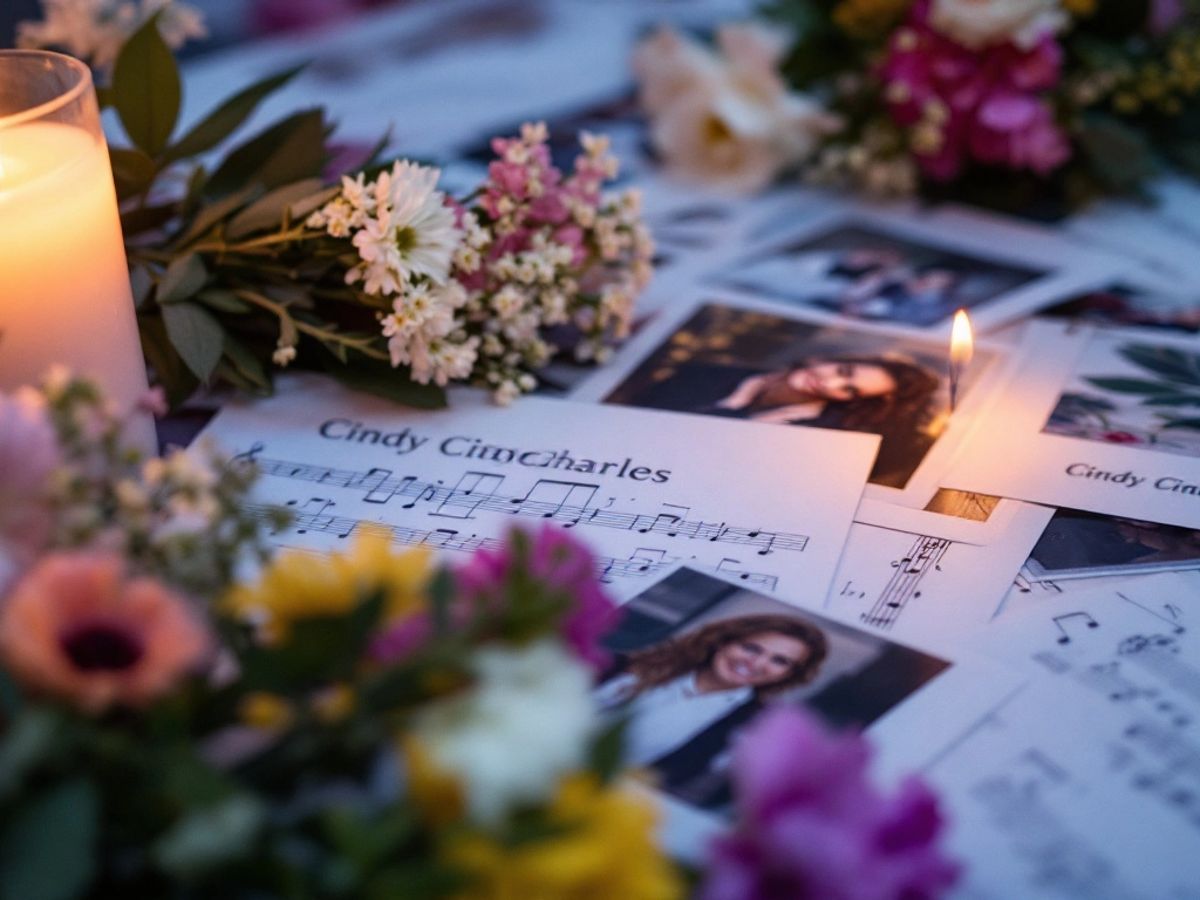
(962, 342)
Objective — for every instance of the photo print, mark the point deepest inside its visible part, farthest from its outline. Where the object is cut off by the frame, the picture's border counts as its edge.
(750, 363)
(696, 659)
(866, 272)
(1134, 393)
(1103, 420)
(1078, 544)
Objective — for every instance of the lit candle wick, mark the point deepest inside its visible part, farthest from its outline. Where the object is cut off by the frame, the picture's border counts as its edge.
(962, 348)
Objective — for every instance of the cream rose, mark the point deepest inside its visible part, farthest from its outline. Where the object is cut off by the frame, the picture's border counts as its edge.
(977, 23)
(726, 119)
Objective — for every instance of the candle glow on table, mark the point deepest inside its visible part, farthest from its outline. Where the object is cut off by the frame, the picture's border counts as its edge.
(65, 296)
(962, 349)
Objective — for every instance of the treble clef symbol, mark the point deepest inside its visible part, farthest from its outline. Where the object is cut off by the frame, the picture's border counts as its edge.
(247, 457)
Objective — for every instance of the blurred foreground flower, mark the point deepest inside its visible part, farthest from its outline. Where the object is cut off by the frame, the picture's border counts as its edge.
(76, 627)
(811, 825)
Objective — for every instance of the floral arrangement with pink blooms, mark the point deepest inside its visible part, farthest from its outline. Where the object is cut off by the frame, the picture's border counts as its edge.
(184, 713)
(1005, 102)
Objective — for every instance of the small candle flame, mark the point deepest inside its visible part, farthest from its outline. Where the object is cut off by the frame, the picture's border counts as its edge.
(962, 348)
(962, 342)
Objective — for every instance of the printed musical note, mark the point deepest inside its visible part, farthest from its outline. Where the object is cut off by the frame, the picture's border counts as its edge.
(1064, 635)
(569, 502)
(924, 556)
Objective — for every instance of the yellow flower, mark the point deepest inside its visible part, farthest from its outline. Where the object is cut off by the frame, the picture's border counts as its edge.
(866, 19)
(333, 704)
(606, 850)
(300, 585)
(269, 712)
(1080, 8)
(437, 794)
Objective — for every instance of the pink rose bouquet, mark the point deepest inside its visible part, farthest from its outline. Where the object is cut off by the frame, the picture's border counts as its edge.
(1004, 102)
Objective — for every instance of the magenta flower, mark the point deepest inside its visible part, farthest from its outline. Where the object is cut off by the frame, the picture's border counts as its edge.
(550, 561)
(811, 825)
(988, 105)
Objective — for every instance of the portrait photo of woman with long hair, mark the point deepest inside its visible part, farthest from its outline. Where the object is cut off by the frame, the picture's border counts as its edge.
(696, 659)
(675, 689)
(784, 371)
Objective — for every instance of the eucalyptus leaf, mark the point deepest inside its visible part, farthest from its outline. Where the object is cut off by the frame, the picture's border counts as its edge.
(146, 90)
(224, 301)
(170, 371)
(28, 738)
(288, 151)
(269, 211)
(133, 171)
(47, 849)
(185, 276)
(212, 837)
(196, 335)
(212, 213)
(226, 118)
(246, 363)
(301, 209)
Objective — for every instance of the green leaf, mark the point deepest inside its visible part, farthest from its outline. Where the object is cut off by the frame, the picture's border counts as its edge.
(47, 850)
(146, 89)
(170, 371)
(268, 212)
(212, 213)
(376, 377)
(133, 171)
(185, 277)
(608, 752)
(29, 737)
(196, 335)
(247, 364)
(1132, 386)
(288, 151)
(211, 837)
(224, 301)
(226, 118)
(302, 208)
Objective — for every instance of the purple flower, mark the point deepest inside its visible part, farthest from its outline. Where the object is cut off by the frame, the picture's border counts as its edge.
(811, 824)
(551, 561)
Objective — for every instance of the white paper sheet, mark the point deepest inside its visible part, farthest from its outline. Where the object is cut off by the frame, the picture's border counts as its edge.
(928, 591)
(645, 490)
(1087, 783)
(1083, 426)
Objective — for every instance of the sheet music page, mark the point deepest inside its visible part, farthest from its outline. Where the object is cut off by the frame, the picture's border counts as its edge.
(770, 507)
(1087, 782)
(925, 589)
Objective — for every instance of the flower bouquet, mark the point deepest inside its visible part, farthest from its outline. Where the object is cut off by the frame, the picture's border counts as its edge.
(1010, 103)
(183, 715)
(255, 256)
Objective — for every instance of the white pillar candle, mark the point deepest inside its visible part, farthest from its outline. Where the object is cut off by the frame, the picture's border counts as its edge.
(65, 296)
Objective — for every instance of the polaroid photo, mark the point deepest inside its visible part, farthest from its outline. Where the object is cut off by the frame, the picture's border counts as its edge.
(751, 361)
(1102, 420)
(909, 270)
(1078, 544)
(697, 659)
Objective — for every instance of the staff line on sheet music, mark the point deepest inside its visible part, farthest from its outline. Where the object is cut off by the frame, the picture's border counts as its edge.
(380, 487)
(449, 539)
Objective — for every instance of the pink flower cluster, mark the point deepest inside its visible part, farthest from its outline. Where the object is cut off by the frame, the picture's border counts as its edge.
(544, 249)
(552, 561)
(811, 825)
(987, 105)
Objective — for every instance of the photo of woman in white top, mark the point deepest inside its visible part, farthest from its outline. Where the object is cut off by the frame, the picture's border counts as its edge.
(673, 690)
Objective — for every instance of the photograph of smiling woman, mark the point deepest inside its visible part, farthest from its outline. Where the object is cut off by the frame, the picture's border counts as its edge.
(675, 689)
